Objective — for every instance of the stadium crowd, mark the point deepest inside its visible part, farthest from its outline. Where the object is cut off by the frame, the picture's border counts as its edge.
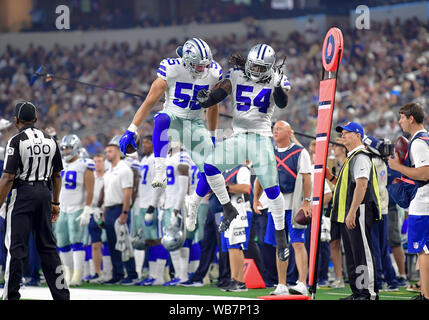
(378, 75)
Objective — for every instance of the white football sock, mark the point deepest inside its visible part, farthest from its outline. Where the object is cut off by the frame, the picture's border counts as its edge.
(139, 259)
(184, 261)
(277, 210)
(78, 260)
(217, 183)
(107, 267)
(160, 266)
(175, 260)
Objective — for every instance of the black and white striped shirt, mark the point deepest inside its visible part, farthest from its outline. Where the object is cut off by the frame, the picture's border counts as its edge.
(32, 155)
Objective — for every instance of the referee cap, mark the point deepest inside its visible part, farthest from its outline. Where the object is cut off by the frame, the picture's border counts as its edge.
(25, 111)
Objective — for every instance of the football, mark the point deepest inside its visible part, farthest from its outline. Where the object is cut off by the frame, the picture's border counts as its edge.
(302, 219)
(130, 148)
(401, 147)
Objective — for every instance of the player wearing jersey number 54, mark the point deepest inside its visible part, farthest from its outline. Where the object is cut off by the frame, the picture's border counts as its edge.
(256, 86)
(416, 169)
(32, 159)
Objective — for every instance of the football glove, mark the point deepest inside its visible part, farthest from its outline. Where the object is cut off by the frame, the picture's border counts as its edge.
(97, 214)
(128, 138)
(85, 217)
(203, 95)
(277, 76)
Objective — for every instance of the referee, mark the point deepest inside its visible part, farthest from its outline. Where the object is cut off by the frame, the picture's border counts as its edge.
(32, 160)
(356, 206)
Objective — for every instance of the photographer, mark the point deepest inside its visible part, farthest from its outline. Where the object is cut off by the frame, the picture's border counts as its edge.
(380, 150)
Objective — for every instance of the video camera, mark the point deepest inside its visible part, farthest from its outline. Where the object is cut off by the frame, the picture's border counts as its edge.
(382, 148)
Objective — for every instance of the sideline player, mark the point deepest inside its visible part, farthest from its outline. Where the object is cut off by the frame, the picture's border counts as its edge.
(76, 198)
(256, 86)
(177, 170)
(180, 80)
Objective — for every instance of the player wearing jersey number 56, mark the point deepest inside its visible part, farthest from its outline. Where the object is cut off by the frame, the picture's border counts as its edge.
(32, 159)
(76, 197)
(180, 80)
(416, 168)
(256, 86)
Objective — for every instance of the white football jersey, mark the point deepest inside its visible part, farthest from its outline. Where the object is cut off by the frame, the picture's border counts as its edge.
(253, 103)
(147, 167)
(172, 164)
(72, 196)
(133, 163)
(181, 94)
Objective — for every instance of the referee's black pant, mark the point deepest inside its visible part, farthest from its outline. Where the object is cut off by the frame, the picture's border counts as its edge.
(29, 210)
(359, 253)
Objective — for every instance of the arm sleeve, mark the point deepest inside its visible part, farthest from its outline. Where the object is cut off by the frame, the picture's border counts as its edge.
(215, 97)
(280, 97)
(12, 157)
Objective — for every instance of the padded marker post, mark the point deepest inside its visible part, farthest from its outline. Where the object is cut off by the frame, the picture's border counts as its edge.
(331, 56)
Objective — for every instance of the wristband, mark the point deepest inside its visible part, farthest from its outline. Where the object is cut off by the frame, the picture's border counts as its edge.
(125, 211)
(333, 177)
(55, 203)
(133, 128)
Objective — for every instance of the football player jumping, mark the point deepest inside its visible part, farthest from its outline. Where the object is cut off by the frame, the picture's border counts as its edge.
(180, 80)
(256, 86)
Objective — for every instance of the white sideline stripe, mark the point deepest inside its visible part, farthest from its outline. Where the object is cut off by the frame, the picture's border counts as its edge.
(35, 293)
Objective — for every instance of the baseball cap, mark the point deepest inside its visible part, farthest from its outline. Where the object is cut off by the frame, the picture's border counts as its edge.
(25, 111)
(352, 127)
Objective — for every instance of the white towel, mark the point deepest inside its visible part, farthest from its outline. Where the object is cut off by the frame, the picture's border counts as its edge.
(123, 241)
(236, 233)
(240, 205)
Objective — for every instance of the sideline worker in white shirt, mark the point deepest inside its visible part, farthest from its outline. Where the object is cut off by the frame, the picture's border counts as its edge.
(118, 186)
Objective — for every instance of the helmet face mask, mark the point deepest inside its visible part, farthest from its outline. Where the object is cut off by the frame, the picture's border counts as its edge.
(197, 57)
(70, 146)
(260, 61)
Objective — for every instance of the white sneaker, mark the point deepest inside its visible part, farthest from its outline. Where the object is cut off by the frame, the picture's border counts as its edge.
(191, 218)
(300, 288)
(337, 283)
(281, 290)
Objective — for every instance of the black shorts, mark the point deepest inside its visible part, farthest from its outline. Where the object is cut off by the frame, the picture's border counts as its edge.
(335, 230)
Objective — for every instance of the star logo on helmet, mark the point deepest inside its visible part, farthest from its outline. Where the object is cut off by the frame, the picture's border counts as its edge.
(188, 51)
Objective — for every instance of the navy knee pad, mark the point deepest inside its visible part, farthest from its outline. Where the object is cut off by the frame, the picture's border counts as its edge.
(273, 192)
(210, 170)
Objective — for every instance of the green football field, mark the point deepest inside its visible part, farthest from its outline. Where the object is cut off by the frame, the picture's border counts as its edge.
(209, 290)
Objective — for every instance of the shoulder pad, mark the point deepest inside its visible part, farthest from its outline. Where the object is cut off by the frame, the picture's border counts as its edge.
(167, 68)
